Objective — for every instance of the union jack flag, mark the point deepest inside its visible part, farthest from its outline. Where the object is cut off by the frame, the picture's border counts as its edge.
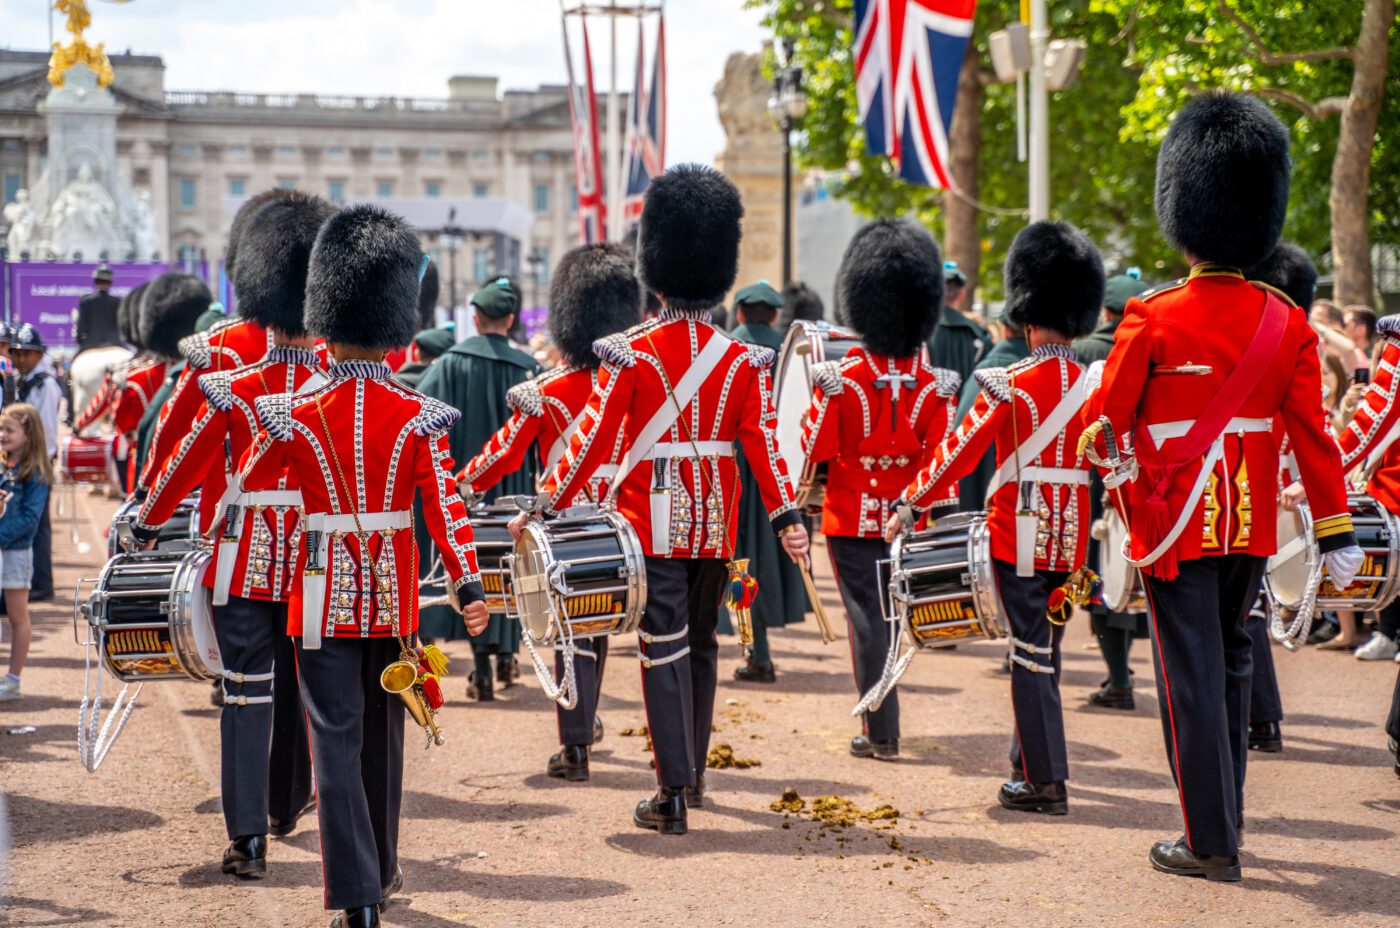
(907, 57)
(646, 135)
(588, 166)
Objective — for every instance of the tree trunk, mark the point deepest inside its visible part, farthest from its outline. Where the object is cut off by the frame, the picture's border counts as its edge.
(961, 242)
(1351, 168)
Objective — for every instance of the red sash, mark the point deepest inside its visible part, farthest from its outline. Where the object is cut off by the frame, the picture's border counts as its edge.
(1159, 470)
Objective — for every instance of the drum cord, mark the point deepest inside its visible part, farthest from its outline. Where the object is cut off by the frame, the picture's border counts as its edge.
(565, 692)
(94, 745)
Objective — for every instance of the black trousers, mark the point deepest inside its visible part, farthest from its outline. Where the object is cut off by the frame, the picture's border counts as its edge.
(265, 756)
(1038, 742)
(1205, 665)
(853, 560)
(42, 584)
(576, 724)
(357, 740)
(1392, 724)
(680, 655)
(1265, 704)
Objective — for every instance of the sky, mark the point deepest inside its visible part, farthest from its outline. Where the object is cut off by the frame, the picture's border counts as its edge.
(376, 47)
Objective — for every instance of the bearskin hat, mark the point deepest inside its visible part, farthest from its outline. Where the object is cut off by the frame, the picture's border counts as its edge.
(1288, 268)
(274, 249)
(362, 285)
(688, 240)
(890, 286)
(594, 293)
(427, 297)
(129, 315)
(1054, 279)
(240, 222)
(168, 312)
(1222, 179)
(800, 304)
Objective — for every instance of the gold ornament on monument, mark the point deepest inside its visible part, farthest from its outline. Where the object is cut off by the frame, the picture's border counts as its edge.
(78, 51)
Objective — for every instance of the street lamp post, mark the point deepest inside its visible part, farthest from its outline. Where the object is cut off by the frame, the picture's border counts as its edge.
(536, 259)
(452, 238)
(787, 106)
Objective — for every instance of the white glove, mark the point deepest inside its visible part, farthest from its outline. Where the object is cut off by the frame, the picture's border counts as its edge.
(1343, 564)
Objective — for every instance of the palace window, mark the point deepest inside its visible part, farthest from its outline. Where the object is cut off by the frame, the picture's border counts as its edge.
(385, 188)
(336, 191)
(187, 193)
(541, 198)
(237, 187)
(432, 188)
(479, 191)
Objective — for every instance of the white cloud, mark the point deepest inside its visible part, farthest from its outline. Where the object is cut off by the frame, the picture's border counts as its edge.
(380, 47)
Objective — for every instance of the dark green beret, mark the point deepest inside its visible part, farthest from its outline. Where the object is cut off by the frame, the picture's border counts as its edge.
(761, 292)
(434, 342)
(210, 317)
(953, 274)
(1118, 290)
(497, 299)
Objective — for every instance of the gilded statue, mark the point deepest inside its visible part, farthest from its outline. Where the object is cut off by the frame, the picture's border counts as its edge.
(78, 51)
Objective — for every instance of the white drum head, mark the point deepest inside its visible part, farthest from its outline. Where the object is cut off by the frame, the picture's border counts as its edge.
(202, 622)
(1289, 569)
(529, 584)
(793, 396)
(1114, 570)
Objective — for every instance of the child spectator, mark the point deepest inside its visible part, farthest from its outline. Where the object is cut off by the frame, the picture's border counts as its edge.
(25, 476)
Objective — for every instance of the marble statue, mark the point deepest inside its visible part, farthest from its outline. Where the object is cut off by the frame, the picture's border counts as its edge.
(84, 217)
(144, 227)
(24, 226)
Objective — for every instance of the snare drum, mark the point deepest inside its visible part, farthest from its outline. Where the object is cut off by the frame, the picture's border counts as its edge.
(1123, 591)
(585, 569)
(807, 343)
(153, 619)
(941, 583)
(491, 535)
(1298, 562)
(88, 459)
(179, 533)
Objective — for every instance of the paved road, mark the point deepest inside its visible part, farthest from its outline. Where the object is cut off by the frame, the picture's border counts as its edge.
(490, 841)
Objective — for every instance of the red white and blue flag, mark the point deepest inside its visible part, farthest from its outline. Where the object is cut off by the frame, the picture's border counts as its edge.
(588, 165)
(907, 57)
(646, 126)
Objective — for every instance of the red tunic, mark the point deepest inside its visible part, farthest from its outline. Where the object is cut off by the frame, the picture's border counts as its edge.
(379, 444)
(693, 514)
(1376, 418)
(878, 420)
(222, 435)
(223, 348)
(546, 412)
(1207, 321)
(1013, 402)
(141, 384)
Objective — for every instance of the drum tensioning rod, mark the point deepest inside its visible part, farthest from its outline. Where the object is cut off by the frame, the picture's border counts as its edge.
(114, 627)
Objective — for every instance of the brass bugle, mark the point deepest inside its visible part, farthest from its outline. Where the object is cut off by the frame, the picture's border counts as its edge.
(402, 677)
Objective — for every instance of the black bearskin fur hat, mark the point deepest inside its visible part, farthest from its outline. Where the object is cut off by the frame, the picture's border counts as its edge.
(1222, 179)
(240, 222)
(594, 293)
(890, 286)
(688, 240)
(1288, 268)
(428, 289)
(1054, 279)
(362, 285)
(800, 304)
(129, 316)
(168, 312)
(274, 249)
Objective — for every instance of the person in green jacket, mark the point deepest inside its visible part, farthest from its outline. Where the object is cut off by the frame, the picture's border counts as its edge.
(959, 343)
(1117, 291)
(781, 598)
(428, 346)
(473, 376)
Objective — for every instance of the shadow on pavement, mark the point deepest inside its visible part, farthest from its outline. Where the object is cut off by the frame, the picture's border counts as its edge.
(39, 821)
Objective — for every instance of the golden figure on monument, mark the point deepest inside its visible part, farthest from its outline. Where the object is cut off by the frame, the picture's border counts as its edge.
(78, 51)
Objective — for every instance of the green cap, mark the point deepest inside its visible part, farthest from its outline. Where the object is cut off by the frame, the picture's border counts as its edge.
(953, 274)
(497, 299)
(1121, 288)
(761, 292)
(210, 317)
(434, 343)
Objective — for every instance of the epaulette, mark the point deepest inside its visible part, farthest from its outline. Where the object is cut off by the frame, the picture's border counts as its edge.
(616, 349)
(1162, 288)
(995, 382)
(760, 356)
(275, 413)
(1288, 300)
(525, 398)
(946, 382)
(827, 375)
(434, 417)
(217, 389)
(1388, 326)
(195, 349)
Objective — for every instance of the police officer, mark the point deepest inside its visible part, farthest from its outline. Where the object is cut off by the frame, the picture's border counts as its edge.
(96, 324)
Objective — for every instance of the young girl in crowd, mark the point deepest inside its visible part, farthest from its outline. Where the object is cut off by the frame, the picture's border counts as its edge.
(25, 476)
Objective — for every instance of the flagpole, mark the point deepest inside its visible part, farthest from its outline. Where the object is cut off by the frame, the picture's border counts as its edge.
(614, 156)
(1040, 115)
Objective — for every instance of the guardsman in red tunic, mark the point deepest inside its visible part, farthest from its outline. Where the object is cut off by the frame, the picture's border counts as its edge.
(876, 416)
(225, 347)
(1038, 500)
(358, 449)
(113, 398)
(681, 393)
(265, 757)
(101, 403)
(594, 294)
(1198, 371)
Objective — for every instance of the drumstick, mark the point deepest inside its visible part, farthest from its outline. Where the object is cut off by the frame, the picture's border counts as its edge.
(823, 623)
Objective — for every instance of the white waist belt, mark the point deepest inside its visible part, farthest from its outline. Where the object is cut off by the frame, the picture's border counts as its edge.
(605, 472)
(270, 498)
(688, 449)
(1163, 431)
(1066, 475)
(366, 521)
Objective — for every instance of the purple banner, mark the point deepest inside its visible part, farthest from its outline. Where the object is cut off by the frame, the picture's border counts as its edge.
(46, 294)
(534, 319)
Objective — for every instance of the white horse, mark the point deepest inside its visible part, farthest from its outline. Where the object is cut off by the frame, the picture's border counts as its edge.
(90, 368)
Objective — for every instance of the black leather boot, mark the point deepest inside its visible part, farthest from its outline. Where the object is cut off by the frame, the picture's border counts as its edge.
(366, 916)
(479, 687)
(695, 795)
(507, 670)
(597, 729)
(1020, 796)
(1113, 697)
(394, 888)
(664, 812)
(1265, 737)
(280, 828)
(570, 764)
(861, 746)
(1176, 858)
(754, 672)
(246, 857)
